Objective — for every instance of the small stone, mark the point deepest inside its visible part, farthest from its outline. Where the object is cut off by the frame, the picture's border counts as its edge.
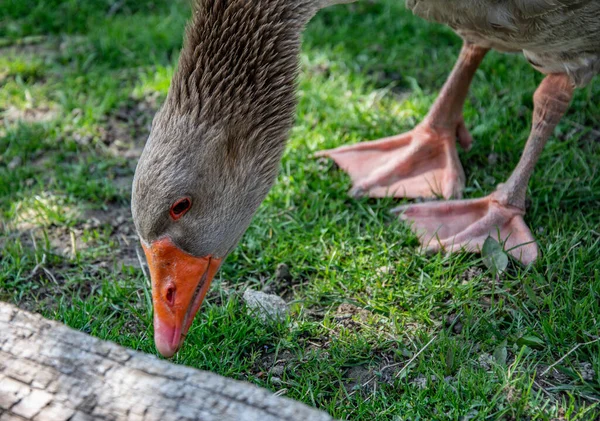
(420, 382)
(276, 371)
(485, 361)
(282, 273)
(384, 270)
(265, 306)
(276, 381)
(457, 328)
(452, 318)
(587, 371)
(493, 159)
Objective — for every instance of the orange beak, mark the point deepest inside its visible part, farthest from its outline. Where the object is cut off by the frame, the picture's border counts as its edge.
(179, 283)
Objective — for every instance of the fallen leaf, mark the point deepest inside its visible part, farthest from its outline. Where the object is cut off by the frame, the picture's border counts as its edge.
(531, 341)
(494, 257)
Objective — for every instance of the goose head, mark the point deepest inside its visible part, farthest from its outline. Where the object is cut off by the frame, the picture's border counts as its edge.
(214, 148)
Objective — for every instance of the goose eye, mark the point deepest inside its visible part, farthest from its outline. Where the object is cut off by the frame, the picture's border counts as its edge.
(180, 207)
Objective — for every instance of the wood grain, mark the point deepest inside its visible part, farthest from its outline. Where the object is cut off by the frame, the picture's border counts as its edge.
(50, 372)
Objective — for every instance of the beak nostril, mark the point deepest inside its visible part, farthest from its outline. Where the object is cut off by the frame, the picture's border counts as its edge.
(171, 295)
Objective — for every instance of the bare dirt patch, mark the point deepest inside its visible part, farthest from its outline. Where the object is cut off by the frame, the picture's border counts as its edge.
(352, 317)
(34, 46)
(285, 283)
(106, 235)
(274, 365)
(472, 273)
(100, 241)
(68, 242)
(366, 378)
(39, 114)
(118, 221)
(359, 377)
(122, 133)
(125, 132)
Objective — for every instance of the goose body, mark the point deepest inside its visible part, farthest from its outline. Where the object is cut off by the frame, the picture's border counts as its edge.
(215, 145)
(555, 36)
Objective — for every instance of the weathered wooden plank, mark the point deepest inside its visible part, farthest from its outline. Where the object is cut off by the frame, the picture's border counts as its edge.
(50, 372)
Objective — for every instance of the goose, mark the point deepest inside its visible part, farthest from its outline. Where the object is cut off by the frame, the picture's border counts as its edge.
(216, 143)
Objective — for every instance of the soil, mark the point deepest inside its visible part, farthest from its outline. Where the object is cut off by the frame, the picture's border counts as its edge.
(123, 134)
(284, 284)
(272, 363)
(351, 316)
(35, 46)
(367, 378)
(118, 222)
(125, 131)
(29, 115)
(472, 273)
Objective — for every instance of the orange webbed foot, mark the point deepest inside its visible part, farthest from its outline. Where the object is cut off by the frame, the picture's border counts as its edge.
(420, 163)
(465, 224)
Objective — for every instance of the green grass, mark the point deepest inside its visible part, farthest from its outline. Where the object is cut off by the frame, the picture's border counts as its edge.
(438, 336)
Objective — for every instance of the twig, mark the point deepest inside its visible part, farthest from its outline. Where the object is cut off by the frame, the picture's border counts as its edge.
(396, 364)
(73, 245)
(47, 271)
(374, 389)
(582, 127)
(591, 398)
(37, 267)
(544, 390)
(115, 8)
(567, 354)
(316, 345)
(415, 356)
(281, 392)
(41, 266)
(391, 366)
(33, 240)
(336, 334)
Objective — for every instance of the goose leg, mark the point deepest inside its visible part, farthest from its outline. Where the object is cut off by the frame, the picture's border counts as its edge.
(422, 162)
(465, 224)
